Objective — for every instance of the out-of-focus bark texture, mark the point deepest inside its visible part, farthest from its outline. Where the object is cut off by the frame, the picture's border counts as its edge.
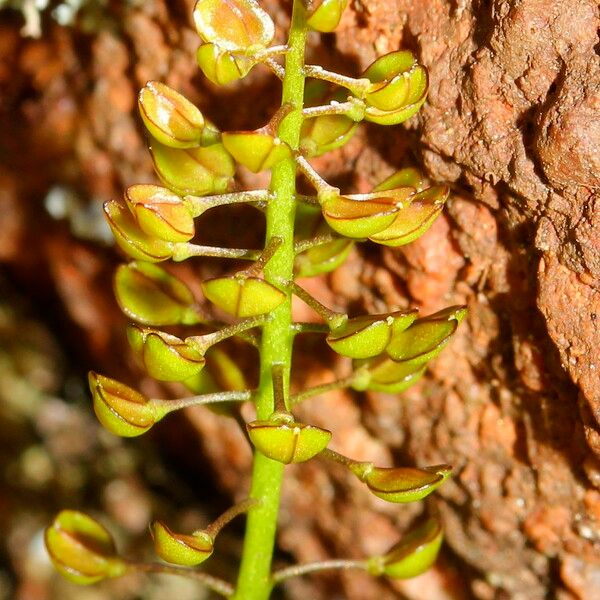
(513, 123)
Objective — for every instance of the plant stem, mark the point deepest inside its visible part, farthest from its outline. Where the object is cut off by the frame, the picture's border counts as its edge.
(323, 565)
(356, 86)
(334, 319)
(230, 514)
(202, 343)
(215, 584)
(200, 204)
(338, 384)
(169, 406)
(354, 109)
(254, 579)
(185, 250)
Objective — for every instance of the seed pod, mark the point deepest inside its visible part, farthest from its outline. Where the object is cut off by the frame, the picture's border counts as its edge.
(399, 88)
(121, 409)
(160, 213)
(426, 337)
(288, 442)
(325, 15)
(181, 549)
(361, 215)
(325, 133)
(323, 258)
(406, 177)
(414, 220)
(170, 117)
(413, 555)
(81, 549)
(150, 295)
(255, 150)
(222, 67)
(193, 171)
(368, 335)
(234, 25)
(243, 297)
(362, 337)
(405, 484)
(387, 376)
(165, 357)
(131, 239)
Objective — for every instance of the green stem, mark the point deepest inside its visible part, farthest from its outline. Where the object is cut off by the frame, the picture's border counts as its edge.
(213, 529)
(185, 250)
(323, 565)
(202, 343)
(200, 204)
(254, 580)
(215, 584)
(333, 318)
(358, 87)
(338, 384)
(353, 109)
(168, 406)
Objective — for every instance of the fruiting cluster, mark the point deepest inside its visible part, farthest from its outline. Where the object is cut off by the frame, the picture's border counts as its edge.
(306, 236)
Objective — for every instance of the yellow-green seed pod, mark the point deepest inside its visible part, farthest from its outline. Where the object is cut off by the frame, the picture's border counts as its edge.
(181, 549)
(405, 484)
(360, 215)
(234, 25)
(150, 295)
(362, 337)
(413, 555)
(325, 15)
(426, 337)
(131, 239)
(382, 374)
(398, 88)
(193, 171)
(406, 177)
(121, 409)
(160, 213)
(243, 297)
(288, 442)
(222, 67)
(326, 133)
(256, 150)
(165, 357)
(414, 220)
(323, 258)
(170, 117)
(81, 549)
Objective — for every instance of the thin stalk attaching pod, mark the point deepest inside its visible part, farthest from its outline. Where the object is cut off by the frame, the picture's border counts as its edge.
(200, 204)
(333, 319)
(358, 87)
(323, 388)
(203, 342)
(324, 565)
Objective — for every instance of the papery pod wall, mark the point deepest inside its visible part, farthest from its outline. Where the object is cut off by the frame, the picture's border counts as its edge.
(512, 121)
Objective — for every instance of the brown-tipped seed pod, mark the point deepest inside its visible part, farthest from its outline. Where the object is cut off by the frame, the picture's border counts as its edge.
(150, 295)
(288, 442)
(405, 484)
(170, 117)
(414, 220)
(121, 409)
(256, 150)
(165, 357)
(426, 337)
(398, 89)
(208, 169)
(81, 549)
(222, 67)
(243, 296)
(131, 239)
(181, 549)
(362, 215)
(414, 554)
(234, 25)
(160, 213)
(325, 15)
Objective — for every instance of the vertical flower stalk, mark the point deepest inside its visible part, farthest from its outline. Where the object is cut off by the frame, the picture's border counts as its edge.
(254, 581)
